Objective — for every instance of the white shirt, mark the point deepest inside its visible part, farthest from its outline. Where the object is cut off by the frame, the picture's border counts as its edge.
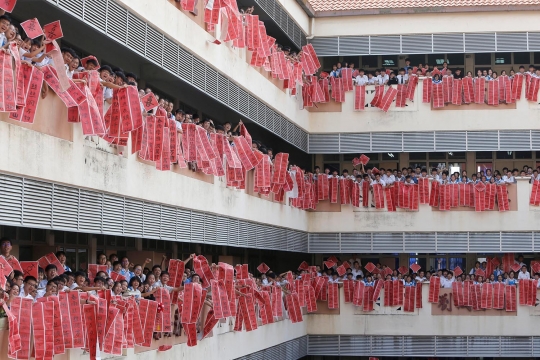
(402, 79)
(383, 78)
(357, 272)
(508, 179)
(524, 275)
(446, 284)
(373, 81)
(361, 80)
(381, 182)
(389, 180)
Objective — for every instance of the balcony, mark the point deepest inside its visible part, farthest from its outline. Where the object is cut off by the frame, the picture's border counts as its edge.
(418, 117)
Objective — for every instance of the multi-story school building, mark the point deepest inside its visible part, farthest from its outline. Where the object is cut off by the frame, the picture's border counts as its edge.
(63, 191)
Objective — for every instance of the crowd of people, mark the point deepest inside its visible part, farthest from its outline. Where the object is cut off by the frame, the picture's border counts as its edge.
(38, 53)
(481, 273)
(388, 76)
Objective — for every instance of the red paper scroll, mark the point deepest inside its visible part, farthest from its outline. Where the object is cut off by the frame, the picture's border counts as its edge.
(487, 296)
(51, 259)
(112, 343)
(20, 308)
(493, 92)
(378, 196)
(479, 90)
(434, 289)
(411, 87)
(93, 269)
(498, 296)
(8, 5)
(438, 95)
(468, 90)
(418, 292)
(427, 89)
(434, 196)
(130, 109)
(192, 302)
(91, 329)
(333, 187)
(368, 298)
(479, 197)
(457, 89)
(502, 198)
(293, 308)
(277, 304)
(410, 294)
(445, 197)
(401, 96)
(510, 294)
(359, 97)
(7, 86)
(163, 320)
(377, 290)
(348, 290)
(245, 153)
(390, 201)
(388, 293)
(220, 299)
(516, 87)
(447, 82)
(532, 92)
(346, 74)
(423, 190)
(535, 194)
(379, 92)
(42, 316)
(148, 312)
(358, 295)
(333, 296)
(388, 98)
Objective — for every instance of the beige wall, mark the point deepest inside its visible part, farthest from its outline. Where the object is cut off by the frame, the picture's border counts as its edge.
(425, 23)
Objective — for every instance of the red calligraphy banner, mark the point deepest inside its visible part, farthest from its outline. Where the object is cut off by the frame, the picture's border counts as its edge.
(438, 95)
(516, 87)
(408, 304)
(130, 109)
(447, 82)
(148, 312)
(368, 298)
(378, 196)
(388, 293)
(377, 99)
(358, 295)
(535, 193)
(389, 196)
(7, 85)
(510, 298)
(192, 301)
(113, 340)
(418, 295)
(163, 320)
(91, 329)
(434, 289)
(333, 296)
(457, 90)
(427, 90)
(293, 308)
(188, 142)
(532, 93)
(20, 339)
(411, 87)
(498, 296)
(479, 90)
(93, 269)
(51, 259)
(377, 290)
(333, 187)
(493, 92)
(348, 290)
(401, 96)
(359, 97)
(502, 198)
(277, 302)
(388, 98)
(220, 299)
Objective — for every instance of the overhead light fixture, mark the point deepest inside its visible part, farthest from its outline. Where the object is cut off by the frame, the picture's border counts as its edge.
(509, 152)
(451, 154)
(391, 155)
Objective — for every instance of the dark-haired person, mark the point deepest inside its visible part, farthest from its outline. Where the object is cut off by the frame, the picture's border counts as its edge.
(61, 256)
(5, 22)
(29, 288)
(50, 273)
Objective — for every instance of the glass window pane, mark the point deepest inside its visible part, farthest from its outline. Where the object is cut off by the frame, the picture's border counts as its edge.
(503, 58)
(390, 156)
(456, 155)
(9, 231)
(331, 157)
(38, 235)
(436, 59)
(351, 60)
(414, 164)
(505, 155)
(536, 59)
(349, 157)
(370, 61)
(389, 60)
(71, 238)
(483, 167)
(82, 259)
(417, 59)
(329, 61)
(418, 156)
(437, 156)
(434, 164)
(100, 240)
(523, 154)
(24, 234)
(130, 242)
(455, 59)
(484, 155)
(455, 262)
(522, 58)
(482, 59)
